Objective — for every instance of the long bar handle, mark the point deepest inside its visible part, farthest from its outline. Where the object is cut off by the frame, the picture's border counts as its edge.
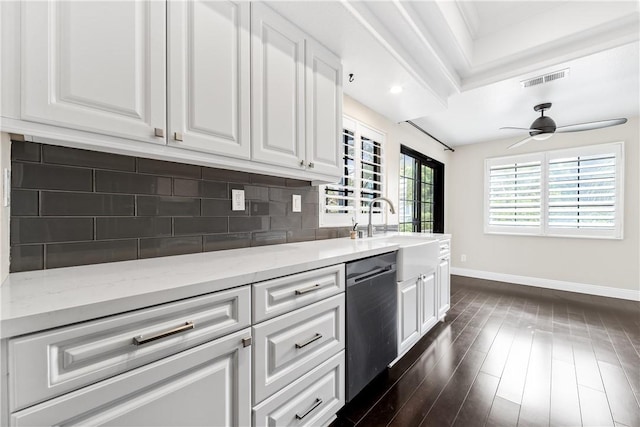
(316, 337)
(372, 274)
(317, 403)
(309, 289)
(139, 340)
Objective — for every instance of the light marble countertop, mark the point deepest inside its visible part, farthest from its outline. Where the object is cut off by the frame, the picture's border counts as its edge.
(38, 300)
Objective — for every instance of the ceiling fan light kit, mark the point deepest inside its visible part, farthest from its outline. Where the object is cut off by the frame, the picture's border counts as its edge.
(544, 126)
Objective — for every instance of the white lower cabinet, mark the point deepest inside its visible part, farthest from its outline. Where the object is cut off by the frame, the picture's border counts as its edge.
(443, 278)
(290, 345)
(206, 385)
(47, 364)
(310, 401)
(444, 286)
(428, 302)
(408, 314)
(299, 350)
(417, 309)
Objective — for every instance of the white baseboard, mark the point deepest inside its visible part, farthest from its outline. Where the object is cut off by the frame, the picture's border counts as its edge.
(583, 288)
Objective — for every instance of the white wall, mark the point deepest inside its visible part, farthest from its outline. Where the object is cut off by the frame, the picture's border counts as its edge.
(399, 134)
(5, 163)
(605, 263)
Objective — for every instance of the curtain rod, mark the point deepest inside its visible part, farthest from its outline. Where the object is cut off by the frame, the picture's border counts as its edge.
(447, 148)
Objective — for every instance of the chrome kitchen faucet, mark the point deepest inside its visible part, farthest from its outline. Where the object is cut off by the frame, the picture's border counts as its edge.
(377, 199)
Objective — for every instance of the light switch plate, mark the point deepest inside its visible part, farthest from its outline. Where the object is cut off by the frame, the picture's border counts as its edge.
(296, 203)
(237, 200)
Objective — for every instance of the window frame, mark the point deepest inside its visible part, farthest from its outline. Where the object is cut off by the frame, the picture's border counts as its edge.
(437, 187)
(360, 130)
(545, 230)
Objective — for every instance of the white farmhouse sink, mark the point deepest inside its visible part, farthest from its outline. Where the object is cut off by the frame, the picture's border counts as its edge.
(416, 255)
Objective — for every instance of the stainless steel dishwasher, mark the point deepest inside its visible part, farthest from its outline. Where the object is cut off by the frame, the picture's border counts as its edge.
(372, 324)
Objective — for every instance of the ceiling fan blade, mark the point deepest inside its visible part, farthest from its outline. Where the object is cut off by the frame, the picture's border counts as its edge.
(578, 127)
(515, 128)
(519, 143)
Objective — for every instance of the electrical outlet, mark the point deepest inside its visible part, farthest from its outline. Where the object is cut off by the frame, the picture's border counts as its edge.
(296, 203)
(237, 200)
(463, 258)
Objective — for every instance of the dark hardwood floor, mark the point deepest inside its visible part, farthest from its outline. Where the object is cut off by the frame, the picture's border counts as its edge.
(511, 355)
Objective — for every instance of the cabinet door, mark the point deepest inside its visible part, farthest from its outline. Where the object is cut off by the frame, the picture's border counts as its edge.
(277, 54)
(444, 286)
(428, 302)
(324, 109)
(206, 385)
(408, 314)
(97, 66)
(209, 76)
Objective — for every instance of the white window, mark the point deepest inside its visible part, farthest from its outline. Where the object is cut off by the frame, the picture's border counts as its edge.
(572, 192)
(362, 179)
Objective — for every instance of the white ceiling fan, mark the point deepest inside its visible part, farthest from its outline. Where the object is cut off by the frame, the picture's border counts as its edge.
(544, 127)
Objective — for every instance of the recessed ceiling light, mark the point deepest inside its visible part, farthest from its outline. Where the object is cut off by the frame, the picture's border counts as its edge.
(395, 89)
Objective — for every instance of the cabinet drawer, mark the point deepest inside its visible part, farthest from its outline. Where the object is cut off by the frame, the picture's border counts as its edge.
(445, 247)
(310, 401)
(204, 386)
(293, 344)
(47, 364)
(278, 296)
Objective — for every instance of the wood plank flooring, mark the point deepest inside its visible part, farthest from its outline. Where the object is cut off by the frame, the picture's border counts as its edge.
(511, 355)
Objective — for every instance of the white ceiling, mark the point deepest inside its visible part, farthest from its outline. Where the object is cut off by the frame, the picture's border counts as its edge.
(460, 63)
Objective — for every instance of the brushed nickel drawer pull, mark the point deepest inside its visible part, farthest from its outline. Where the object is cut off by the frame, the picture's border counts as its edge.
(317, 403)
(309, 289)
(246, 342)
(316, 337)
(139, 340)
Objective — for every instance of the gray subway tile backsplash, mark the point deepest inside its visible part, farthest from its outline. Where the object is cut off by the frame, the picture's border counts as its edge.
(24, 202)
(217, 242)
(167, 206)
(48, 177)
(158, 167)
(132, 183)
(200, 225)
(165, 246)
(54, 154)
(131, 227)
(76, 207)
(224, 175)
(62, 203)
(27, 257)
(221, 207)
(96, 252)
(26, 151)
(205, 189)
(46, 230)
(253, 223)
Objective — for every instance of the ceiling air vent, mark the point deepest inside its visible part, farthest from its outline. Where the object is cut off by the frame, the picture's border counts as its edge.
(556, 75)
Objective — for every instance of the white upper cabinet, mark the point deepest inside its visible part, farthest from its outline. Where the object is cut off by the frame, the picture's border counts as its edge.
(219, 83)
(277, 89)
(323, 109)
(209, 76)
(296, 96)
(95, 66)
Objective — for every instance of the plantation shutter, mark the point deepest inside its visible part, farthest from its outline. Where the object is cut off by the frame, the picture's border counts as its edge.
(584, 191)
(515, 194)
(362, 178)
